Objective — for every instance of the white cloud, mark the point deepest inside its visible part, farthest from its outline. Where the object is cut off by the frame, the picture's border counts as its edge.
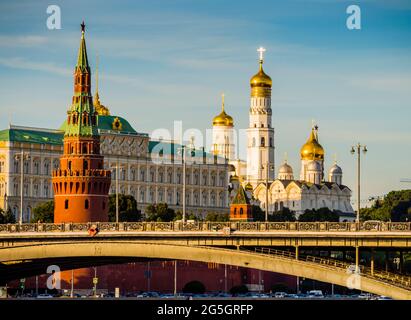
(22, 41)
(21, 63)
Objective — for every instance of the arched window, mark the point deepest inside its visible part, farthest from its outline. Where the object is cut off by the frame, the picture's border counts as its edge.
(262, 142)
(85, 165)
(235, 211)
(85, 148)
(241, 211)
(66, 204)
(86, 204)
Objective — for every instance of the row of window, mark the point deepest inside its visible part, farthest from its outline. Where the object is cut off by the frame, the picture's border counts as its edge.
(262, 142)
(86, 204)
(168, 177)
(176, 198)
(35, 167)
(26, 190)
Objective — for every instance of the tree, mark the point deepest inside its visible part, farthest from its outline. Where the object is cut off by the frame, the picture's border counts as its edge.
(6, 217)
(127, 208)
(396, 206)
(322, 214)
(195, 287)
(179, 216)
(283, 215)
(159, 212)
(43, 212)
(217, 217)
(279, 216)
(257, 213)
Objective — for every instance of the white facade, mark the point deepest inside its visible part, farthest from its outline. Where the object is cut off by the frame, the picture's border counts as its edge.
(223, 142)
(299, 196)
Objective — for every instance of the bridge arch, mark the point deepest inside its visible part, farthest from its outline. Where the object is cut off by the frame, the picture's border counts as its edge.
(248, 259)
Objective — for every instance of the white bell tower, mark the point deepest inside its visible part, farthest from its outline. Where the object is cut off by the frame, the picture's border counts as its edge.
(260, 133)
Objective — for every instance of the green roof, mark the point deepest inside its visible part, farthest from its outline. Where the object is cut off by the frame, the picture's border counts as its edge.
(82, 61)
(32, 136)
(106, 123)
(241, 197)
(172, 148)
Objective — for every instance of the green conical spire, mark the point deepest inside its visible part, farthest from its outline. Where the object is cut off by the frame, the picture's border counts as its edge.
(81, 114)
(241, 197)
(82, 61)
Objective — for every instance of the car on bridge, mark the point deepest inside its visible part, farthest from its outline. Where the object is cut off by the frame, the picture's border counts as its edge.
(315, 294)
(44, 296)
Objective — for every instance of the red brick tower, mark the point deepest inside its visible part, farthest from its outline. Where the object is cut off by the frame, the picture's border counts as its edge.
(240, 207)
(81, 184)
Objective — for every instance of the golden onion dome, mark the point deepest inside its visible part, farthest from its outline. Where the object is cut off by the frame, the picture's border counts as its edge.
(234, 178)
(223, 119)
(248, 187)
(261, 79)
(312, 150)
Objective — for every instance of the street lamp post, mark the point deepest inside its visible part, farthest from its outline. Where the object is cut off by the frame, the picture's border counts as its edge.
(267, 167)
(117, 167)
(23, 156)
(182, 151)
(357, 149)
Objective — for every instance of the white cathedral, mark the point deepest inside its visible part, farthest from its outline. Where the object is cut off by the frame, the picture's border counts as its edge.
(311, 191)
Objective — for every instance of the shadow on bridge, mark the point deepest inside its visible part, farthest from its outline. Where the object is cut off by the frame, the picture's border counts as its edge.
(85, 253)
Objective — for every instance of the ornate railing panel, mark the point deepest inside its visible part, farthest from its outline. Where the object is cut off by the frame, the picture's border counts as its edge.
(368, 226)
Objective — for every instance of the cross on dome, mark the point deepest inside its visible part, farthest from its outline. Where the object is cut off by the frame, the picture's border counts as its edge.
(261, 51)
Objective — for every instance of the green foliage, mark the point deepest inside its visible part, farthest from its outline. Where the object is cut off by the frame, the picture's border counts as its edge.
(195, 287)
(322, 214)
(127, 208)
(283, 215)
(257, 213)
(396, 206)
(191, 216)
(217, 217)
(43, 212)
(279, 216)
(159, 212)
(6, 217)
(241, 289)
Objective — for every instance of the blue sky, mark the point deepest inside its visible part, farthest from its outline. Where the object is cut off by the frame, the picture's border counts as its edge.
(170, 60)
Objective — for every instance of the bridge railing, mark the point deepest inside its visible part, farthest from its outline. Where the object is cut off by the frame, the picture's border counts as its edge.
(382, 275)
(227, 227)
